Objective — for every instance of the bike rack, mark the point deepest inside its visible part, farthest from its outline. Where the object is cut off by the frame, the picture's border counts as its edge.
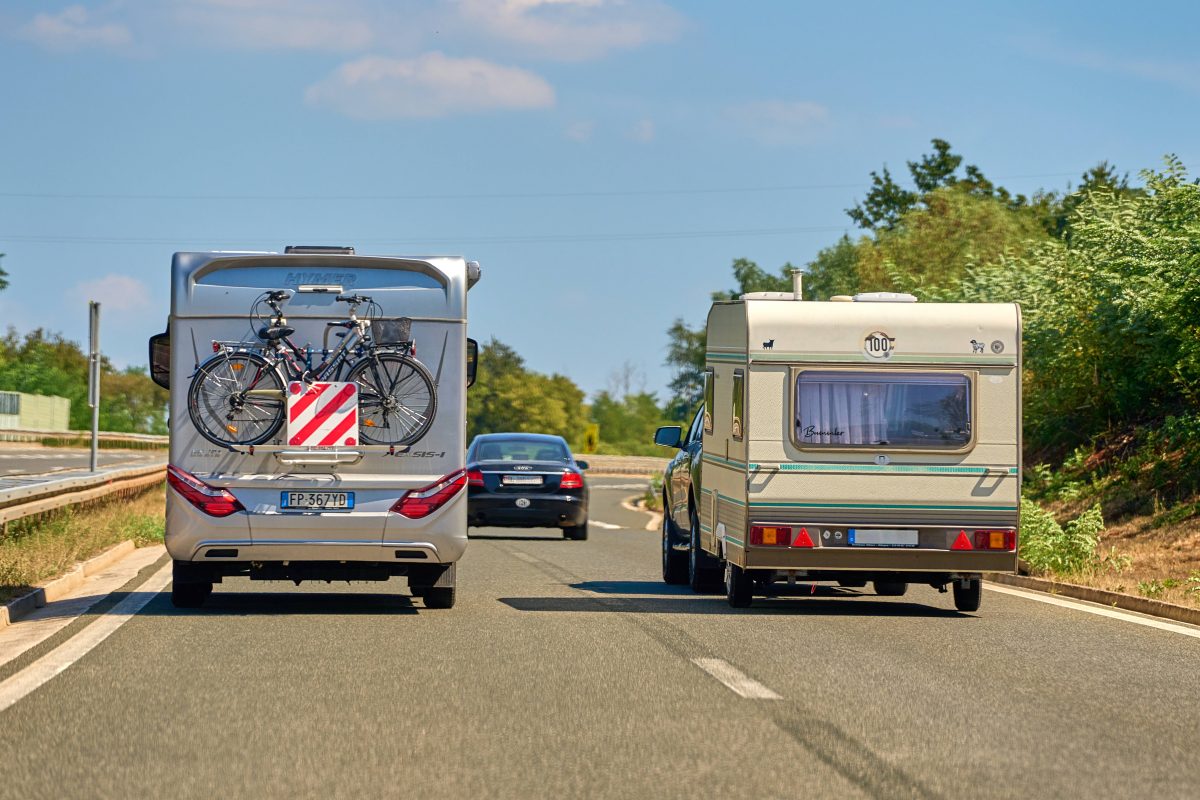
(322, 456)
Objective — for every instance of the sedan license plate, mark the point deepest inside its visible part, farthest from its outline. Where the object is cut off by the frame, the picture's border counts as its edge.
(317, 501)
(521, 480)
(882, 537)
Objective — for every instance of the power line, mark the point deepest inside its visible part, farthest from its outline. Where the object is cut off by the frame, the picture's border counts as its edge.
(470, 195)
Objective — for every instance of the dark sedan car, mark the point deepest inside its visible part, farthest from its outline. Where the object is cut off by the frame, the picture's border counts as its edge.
(526, 480)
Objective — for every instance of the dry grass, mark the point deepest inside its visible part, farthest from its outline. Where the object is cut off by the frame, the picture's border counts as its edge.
(34, 551)
(1163, 560)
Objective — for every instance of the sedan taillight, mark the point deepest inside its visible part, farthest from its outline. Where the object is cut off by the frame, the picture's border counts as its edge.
(209, 499)
(474, 477)
(571, 480)
(420, 503)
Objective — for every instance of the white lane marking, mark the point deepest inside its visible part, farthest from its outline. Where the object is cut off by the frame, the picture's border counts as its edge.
(75, 648)
(526, 557)
(1097, 610)
(608, 526)
(735, 680)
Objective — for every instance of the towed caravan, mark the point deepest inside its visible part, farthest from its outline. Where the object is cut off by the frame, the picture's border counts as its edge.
(871, 438)
(317, 418)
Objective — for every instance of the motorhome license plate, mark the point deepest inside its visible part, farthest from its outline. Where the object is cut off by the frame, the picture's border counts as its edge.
(882, 537)
(521, 480)
(317, 501)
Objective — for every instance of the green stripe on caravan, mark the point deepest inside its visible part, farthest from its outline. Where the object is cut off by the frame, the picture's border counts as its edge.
(865, 469)
(850, 358)
(885, 505)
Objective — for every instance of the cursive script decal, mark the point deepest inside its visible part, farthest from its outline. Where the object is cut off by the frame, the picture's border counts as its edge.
(812, 431)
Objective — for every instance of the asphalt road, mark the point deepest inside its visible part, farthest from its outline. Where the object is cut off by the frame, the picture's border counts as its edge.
(568, 669)
(22, 461)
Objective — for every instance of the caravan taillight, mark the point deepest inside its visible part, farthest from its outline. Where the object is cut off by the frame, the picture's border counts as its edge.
(420, 503)
(211, 500)
(770, 535)
(995, 540)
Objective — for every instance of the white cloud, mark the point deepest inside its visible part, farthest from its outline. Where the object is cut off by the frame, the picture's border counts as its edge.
(1181, 74)
(74, 28)
(431, 85)
(571, 30)
(334, 25)
(780, 122)
(643, 131)
(115, 293)
(581, 131)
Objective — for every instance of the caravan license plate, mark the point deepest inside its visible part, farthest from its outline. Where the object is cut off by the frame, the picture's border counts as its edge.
(317, 501)
(881, 537)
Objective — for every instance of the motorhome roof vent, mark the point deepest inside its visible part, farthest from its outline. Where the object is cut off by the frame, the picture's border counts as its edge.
(318, 250)
(884, 297)
(768, 296)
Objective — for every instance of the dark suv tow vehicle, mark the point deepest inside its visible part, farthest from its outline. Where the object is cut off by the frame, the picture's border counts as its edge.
(683, 560)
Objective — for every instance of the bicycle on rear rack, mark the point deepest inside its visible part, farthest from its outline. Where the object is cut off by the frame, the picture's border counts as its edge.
(238, 397)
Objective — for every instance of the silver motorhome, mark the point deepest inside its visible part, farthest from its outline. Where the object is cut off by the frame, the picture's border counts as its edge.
(275, 511)
(852, 441)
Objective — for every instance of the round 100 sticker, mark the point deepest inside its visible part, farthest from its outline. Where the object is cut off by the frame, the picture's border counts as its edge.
(879, 345)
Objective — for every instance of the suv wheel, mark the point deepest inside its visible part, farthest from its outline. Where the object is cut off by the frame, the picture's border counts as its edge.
(674, 563)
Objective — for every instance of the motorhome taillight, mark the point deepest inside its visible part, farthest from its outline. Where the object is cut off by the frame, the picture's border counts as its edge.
(995, 540)
(420, 503)
(571, 480)
(211, 500)
(771, 535)
(474, 477)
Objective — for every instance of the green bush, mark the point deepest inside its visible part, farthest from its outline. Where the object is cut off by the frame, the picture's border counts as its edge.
(1060, 549)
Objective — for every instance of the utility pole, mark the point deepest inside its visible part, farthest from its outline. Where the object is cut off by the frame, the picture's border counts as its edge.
(94, 374)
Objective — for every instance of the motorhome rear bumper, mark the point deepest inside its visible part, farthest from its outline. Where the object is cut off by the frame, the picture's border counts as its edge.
(225, 550)
(875, 559)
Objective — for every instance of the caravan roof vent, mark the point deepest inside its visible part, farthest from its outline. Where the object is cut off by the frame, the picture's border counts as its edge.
(318, 250)
(884, 297)
(768, 296)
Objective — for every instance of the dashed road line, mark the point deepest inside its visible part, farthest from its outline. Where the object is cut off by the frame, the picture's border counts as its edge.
(607, 526)
(75, 648)
(735, 680)
(1101, 611)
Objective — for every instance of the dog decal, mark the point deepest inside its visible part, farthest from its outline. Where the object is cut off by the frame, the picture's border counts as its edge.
(976, 347)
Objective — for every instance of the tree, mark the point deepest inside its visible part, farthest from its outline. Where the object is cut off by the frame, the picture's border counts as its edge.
(3, 276)
(509, 397)
(835, 270)
(685, 352)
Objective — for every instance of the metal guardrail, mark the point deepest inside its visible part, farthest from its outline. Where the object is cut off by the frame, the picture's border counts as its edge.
(134, 440)
(38, 498)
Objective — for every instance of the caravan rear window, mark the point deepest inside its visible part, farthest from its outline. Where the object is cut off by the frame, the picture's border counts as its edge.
(873, 409)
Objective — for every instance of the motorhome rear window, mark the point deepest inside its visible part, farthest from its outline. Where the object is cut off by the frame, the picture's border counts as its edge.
(870, 409)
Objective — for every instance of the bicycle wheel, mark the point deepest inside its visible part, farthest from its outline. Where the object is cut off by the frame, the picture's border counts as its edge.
(236, 398)
(396, 399)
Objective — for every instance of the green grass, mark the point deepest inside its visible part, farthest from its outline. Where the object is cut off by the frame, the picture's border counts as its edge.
(37, 550)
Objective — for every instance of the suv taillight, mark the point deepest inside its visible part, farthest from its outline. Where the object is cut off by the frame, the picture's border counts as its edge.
(419, 503)
(209, 499)
(571, 480)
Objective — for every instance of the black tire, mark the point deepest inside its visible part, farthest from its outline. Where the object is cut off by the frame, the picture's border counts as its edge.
(703, 574)
(739, 586)
(852, 584)
(577, 533)
(221, 408)
(890, 588)
(396, 399)
(438, 596)
(674, 563)
(968, 594)
(188, 588)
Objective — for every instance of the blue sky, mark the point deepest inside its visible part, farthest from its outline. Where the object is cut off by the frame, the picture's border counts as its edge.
(605, 161)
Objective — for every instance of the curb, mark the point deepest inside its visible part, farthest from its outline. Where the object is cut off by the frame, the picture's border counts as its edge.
(631, 504)
(60, 587)
(1128, 602)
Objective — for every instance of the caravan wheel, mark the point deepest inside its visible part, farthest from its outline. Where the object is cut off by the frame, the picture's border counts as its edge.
(739, 587)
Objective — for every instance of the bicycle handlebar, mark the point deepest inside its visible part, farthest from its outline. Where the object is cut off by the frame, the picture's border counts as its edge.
(353, 299)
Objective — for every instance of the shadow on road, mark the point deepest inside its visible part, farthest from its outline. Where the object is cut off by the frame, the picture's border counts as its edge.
(700, 604)
(502, 537)
(273, 604)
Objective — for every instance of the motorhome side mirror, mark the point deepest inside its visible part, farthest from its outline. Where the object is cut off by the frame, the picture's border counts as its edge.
(472, 361)
(668, 436)
(581, 464)
(160, 359)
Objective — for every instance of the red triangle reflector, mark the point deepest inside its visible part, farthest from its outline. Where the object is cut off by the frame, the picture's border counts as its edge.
(962, 542)
(802, 539)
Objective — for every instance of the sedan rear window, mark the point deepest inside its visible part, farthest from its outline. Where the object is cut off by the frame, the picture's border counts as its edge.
(855, 409)
(521, 450)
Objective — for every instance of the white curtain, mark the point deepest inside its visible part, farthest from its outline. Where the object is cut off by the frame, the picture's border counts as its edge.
(856, 409)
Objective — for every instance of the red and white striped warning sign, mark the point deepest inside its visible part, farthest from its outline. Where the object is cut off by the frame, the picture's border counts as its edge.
(322, 414)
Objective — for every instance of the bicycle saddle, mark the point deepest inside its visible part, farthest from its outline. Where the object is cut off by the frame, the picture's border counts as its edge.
(279, 295)
(271, 333)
